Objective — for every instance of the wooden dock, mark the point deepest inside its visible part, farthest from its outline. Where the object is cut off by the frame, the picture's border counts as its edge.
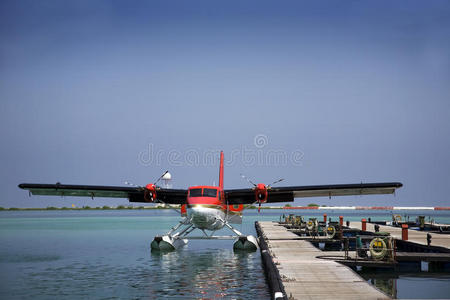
(415, 236)
(304, 276)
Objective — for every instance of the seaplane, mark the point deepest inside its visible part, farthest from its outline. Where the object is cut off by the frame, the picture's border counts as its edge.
(206, 209)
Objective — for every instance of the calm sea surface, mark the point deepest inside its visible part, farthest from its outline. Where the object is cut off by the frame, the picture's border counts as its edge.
(106, 254)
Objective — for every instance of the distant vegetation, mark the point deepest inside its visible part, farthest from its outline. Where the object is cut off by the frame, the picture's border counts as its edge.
(105, 207)
(313, 204)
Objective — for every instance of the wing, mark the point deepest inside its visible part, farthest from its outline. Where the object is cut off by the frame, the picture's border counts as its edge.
(287, 194)
(134, 194)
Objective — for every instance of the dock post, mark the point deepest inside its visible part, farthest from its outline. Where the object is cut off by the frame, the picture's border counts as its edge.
(341, 221)
(363, 224)
(325, 218)
(405, 232)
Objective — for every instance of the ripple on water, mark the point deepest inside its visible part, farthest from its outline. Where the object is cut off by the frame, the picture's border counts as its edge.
(28, 258)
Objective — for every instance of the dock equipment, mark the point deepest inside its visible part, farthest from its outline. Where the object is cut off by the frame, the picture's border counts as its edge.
(438, 241)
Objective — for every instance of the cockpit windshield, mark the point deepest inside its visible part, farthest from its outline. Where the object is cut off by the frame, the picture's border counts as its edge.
(209, 192)
(206, 192)
(195, 192)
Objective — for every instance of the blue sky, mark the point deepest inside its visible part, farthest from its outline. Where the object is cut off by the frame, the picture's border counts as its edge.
(343, 91)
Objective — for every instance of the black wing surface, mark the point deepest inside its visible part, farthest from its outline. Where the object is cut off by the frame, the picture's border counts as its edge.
(134, 194)
(287, 194)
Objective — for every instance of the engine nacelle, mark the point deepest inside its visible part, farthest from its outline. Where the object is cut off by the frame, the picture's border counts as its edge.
(261, 193)
(150, 192)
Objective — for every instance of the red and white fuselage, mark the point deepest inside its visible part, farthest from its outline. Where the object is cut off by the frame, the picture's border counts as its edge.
(206, 205)
(206, 208)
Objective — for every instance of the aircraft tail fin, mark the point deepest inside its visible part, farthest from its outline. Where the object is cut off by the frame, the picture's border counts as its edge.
(221, 171)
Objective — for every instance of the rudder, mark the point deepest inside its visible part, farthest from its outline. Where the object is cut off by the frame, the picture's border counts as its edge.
(221, 171)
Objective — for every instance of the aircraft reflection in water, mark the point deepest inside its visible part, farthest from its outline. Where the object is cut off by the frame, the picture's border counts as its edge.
(208, 274)
(210, 208)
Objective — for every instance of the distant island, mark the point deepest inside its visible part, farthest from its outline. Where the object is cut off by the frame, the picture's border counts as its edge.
(105, 207)
(311, 206)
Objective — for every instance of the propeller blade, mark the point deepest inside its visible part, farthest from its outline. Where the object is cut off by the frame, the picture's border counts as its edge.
(275, 182)
(248, 180)
(160, 177)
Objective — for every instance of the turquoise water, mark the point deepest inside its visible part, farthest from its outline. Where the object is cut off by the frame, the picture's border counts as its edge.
(106, 254)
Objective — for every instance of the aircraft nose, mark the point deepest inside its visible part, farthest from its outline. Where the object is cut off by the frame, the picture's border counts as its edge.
(198, 213)
(202, 218)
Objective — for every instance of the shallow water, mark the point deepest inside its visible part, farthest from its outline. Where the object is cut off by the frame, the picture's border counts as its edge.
(106, 254)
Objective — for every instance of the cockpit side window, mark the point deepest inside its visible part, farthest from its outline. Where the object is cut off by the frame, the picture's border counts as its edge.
(195, 192)
(209, 193)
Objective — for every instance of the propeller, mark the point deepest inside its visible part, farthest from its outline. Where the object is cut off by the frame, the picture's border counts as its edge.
(261, 190)
(150, 190)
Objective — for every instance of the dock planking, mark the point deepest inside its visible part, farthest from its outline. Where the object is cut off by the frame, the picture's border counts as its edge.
(305, 276)
(415, 236)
